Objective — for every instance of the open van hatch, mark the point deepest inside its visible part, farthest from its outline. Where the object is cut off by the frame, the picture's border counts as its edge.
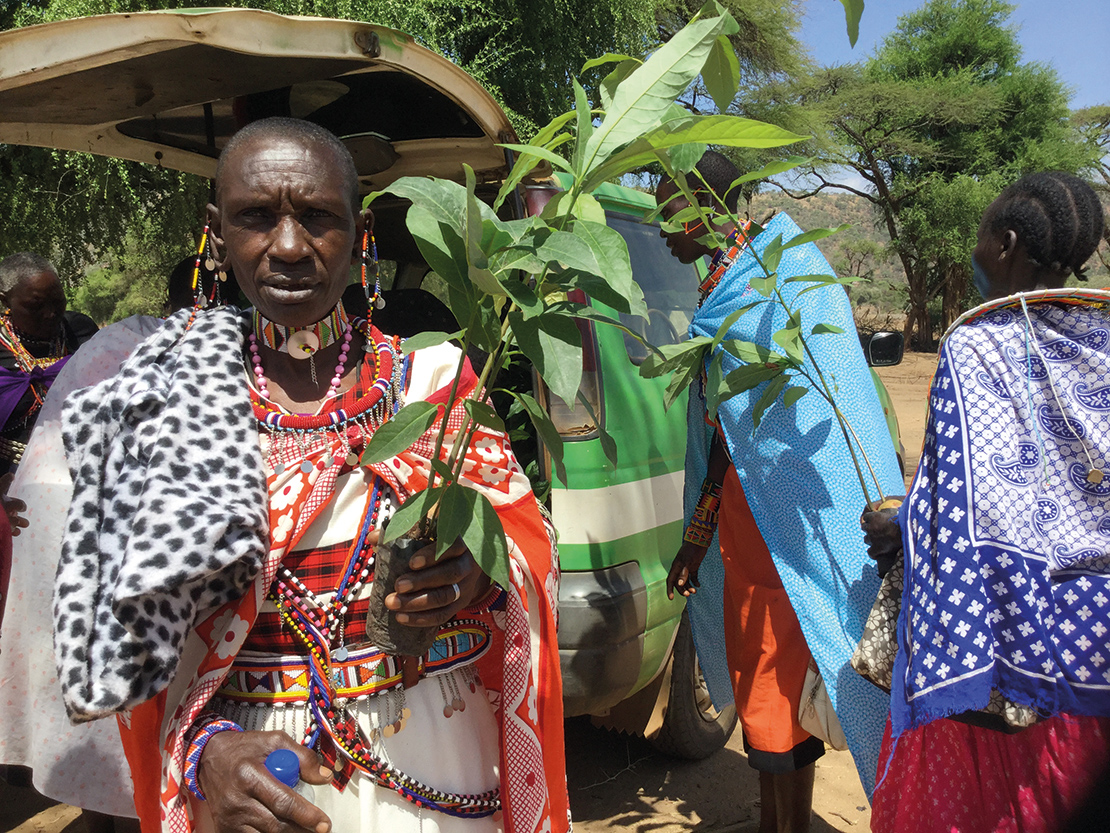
(170, 88)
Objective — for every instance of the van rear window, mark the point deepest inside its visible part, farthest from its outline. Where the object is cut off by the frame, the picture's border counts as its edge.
(670, 288)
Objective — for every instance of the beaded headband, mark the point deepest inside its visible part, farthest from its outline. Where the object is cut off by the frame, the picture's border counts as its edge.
(302, 342)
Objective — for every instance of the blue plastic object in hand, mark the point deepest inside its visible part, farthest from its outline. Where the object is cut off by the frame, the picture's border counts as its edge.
(285, 766)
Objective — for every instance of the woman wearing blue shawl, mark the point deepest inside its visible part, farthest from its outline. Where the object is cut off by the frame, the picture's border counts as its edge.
(790, 585)
(1005, 543)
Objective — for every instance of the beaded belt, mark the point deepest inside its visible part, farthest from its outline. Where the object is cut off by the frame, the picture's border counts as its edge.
(11, 450)
(365, 672)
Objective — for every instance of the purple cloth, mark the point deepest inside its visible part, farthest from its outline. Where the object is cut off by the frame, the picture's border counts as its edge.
(14, 385)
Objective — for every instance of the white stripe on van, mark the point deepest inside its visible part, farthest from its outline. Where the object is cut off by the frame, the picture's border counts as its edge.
(595, 516)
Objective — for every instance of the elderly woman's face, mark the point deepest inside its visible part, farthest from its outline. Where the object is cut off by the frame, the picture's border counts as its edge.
(37, 304)
(284, 222)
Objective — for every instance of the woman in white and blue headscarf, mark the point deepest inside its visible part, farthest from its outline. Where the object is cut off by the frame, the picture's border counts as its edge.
(1005, 541)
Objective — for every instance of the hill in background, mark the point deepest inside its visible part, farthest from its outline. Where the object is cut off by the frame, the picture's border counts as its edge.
(864, 249)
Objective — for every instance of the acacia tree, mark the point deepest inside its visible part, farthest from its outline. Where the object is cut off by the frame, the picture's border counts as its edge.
(935, 123)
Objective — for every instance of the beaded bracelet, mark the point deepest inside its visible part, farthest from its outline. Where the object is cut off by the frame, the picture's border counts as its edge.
(703, 524)
(207, 726)
(699, 534)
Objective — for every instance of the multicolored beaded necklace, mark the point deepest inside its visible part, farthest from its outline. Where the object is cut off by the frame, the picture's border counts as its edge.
(723, 258)
(12, 339)
(302, 342)
(298, 436)
(332, 729)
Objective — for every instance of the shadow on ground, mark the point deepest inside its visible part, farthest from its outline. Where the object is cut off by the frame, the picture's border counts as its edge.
(619, 781)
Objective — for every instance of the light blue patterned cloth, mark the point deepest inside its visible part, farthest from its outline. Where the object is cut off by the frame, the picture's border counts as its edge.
(1007, 538)
(801, 486)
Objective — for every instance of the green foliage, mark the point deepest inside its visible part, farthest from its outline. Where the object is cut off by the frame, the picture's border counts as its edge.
(508, 281)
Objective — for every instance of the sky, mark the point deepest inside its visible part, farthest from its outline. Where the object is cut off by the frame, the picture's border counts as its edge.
(1072, 36)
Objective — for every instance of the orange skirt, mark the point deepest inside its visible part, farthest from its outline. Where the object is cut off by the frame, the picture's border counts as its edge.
(767, 653)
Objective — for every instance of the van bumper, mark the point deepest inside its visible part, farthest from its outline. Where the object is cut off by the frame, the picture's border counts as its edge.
(602, 620)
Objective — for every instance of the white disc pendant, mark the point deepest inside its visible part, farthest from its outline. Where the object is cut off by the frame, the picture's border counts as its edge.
(302, 344)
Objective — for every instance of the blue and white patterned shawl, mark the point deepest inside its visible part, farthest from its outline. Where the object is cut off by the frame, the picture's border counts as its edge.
(801, 486)
(1007, 543)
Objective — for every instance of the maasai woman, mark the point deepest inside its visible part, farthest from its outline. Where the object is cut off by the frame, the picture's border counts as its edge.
(231, 446)
(1004, 540)
(37, 335)
(786, 589)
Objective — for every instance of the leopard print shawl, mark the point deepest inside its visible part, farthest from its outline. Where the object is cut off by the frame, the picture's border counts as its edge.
(168, 517)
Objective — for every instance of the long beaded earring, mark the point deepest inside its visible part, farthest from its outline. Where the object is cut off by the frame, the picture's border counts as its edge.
(370, 253)
(198, 287)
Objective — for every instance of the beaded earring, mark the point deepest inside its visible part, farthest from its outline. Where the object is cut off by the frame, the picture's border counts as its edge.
(203, 249)
(370, 253)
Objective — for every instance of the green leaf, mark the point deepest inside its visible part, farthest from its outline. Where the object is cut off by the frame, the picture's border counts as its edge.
(412, 511)
(825, 328)
(814, 234)
(730, 131)
(483, 414)
(527, 161)
(477, 263)
(853, 11)
(571, 251)
(648, 92)
(747, 377)
(523, 296)
(607, 58)
(485, 538)
(543, 153)
(442, 469)
(841, 281)
(789, 338)
(680, 381)
(453, 516)
(467, 514)
(764, 286)
(586, 312)
(772, 254)
(684, 158)
(586, 207)
(672, 357)
(612, 81)
(403, 429)
(721, 73)
(822, 279)
(610, 253)
(423, 340)
(545, 430)
(772, 169)
(792, 395)
(553, 344)
(714, 377)
(486, 332)
(751, 353)
(768, 398)
(730, 319)
(585, 124)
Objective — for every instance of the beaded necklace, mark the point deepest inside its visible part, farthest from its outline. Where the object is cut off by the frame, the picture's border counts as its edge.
(723, 258)
(298, 436)
(302, 342)
(331, 729)
(11, 338)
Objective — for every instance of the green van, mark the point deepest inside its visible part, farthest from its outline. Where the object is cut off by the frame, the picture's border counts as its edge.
(169, 89)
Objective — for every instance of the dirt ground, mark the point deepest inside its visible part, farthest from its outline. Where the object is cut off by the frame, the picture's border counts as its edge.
(617, 781)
